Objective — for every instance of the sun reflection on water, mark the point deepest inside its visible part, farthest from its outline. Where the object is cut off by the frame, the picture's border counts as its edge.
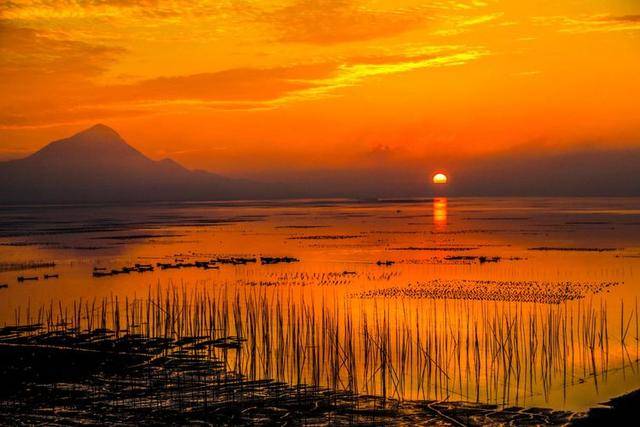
(440, 212)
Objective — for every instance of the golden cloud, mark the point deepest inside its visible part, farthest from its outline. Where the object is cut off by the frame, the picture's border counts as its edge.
(232, 89)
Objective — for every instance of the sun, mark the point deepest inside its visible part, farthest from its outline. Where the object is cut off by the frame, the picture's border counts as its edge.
(440, 178)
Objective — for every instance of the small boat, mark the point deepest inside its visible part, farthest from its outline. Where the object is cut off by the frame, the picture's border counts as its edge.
(102, 274)
(276, 260)
(24, 278)
(233, 260)
(145, 266)
(385, 262)
(51, 276)
(4, 286)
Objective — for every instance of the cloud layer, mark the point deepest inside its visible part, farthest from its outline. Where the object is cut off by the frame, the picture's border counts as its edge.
(65, 68)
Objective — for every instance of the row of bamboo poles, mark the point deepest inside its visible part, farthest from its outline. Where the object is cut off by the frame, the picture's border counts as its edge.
(503, 353)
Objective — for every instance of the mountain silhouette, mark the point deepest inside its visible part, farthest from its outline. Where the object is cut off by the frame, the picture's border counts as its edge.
(97, 165)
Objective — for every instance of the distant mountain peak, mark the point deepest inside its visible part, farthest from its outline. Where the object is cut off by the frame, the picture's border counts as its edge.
(97, 165)
(98, 133)
(99, 130)
(98, 141)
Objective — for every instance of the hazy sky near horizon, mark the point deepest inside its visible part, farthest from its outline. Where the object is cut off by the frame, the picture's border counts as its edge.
(255, 88)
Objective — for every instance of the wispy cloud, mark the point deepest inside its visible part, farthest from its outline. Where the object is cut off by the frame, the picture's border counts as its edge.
(339, 21)
(343, 21)
(40, 71)
(353, 72)
(319, 23)
(460, 24)
(60, 9)
(592, 23)
(233, 89)
(26, 50)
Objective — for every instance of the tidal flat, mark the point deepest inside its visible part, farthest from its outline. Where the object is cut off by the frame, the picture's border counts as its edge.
(487, 311)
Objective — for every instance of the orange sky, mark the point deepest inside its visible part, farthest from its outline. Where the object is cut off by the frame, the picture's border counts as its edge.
(249, 88)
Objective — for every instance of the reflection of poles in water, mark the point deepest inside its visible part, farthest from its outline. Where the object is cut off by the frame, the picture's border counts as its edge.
(505, 351)
(440, 211)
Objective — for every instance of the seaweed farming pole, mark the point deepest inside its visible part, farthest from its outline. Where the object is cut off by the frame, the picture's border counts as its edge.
(489, 353)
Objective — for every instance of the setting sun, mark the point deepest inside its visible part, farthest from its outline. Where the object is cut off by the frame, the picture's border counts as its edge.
(440, 178)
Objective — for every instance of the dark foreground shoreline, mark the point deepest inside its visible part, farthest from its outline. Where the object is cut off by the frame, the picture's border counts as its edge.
(617, 411)
(97, 378)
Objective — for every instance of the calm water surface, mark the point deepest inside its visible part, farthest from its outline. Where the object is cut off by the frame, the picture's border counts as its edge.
(511, 301)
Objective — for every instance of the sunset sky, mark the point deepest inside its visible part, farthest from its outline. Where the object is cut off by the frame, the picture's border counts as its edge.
(264, 89)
